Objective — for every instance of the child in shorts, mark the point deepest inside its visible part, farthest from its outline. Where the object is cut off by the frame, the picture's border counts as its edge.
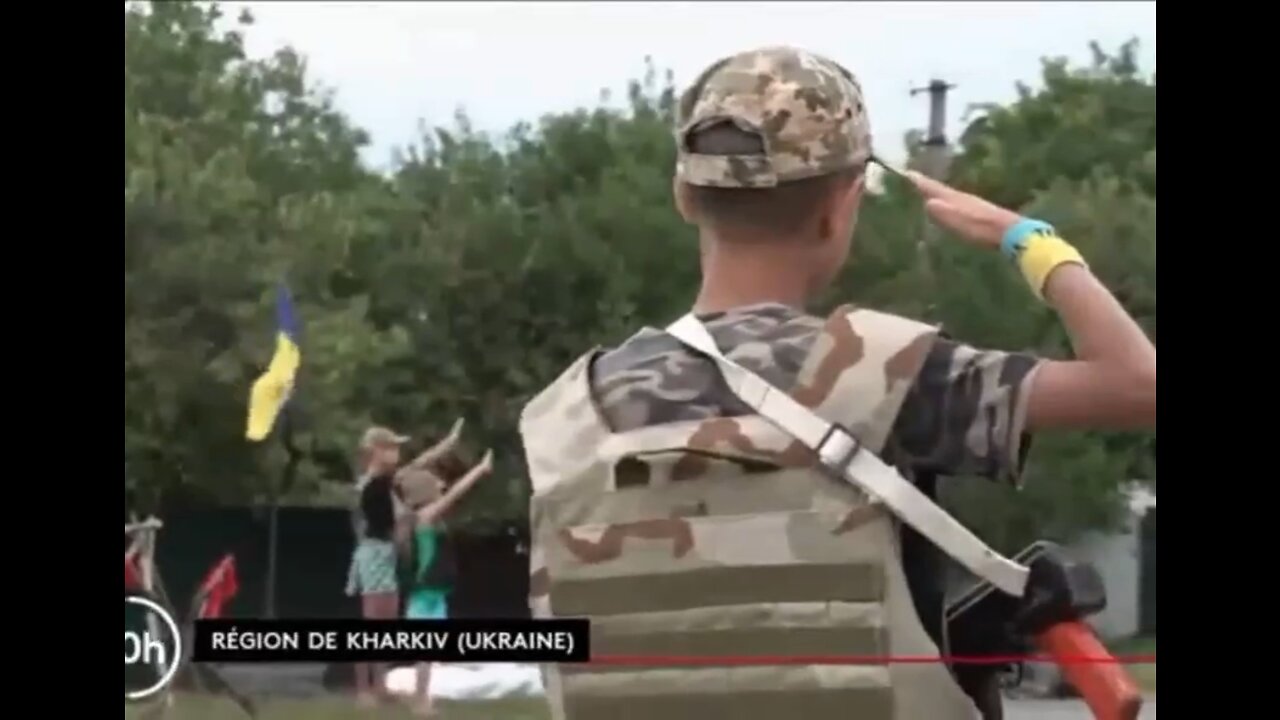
(430, 575)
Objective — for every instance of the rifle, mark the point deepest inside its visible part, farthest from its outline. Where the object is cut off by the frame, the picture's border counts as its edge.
(987, 622)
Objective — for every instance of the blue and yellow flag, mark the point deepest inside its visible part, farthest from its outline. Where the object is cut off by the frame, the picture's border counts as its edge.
(271, 391)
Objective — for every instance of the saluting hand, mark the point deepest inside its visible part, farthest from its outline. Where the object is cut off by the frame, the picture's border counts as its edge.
(980, 222)
(485, 466)
(455, 432)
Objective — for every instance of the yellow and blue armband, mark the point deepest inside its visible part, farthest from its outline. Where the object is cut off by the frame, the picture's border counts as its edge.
(1038, 250)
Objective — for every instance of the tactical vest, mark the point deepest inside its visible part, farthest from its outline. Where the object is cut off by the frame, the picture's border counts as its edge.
(720, 538)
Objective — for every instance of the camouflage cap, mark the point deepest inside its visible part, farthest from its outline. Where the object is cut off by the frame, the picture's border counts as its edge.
(807, 109)
(377, 436)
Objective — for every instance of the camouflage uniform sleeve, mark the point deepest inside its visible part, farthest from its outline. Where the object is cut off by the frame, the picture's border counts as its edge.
(966, 413)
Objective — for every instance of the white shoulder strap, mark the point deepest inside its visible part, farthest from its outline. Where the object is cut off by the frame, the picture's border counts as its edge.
(843, 456)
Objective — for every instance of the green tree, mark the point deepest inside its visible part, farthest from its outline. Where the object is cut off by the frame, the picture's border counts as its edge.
(1083, 120)
(238, 176)
(538, 246)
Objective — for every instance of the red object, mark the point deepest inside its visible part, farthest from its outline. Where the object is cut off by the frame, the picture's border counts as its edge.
(219, 587)
(1107, 688)
(770, 660)
(132, 576)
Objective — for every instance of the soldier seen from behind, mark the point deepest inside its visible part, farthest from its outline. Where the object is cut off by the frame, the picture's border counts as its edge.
(682, 523)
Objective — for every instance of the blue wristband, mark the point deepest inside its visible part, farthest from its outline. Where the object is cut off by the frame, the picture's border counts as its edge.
(1016, 236)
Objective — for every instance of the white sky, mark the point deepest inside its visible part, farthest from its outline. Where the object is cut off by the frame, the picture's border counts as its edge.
(394, 65)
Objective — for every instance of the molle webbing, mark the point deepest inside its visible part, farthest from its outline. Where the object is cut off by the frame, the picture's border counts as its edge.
(667, 597)
(716, 586)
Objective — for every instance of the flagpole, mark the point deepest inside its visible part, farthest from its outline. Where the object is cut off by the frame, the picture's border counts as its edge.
(269, 604)
(287, 477)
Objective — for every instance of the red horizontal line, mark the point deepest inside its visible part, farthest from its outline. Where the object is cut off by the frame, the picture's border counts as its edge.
(670, 660)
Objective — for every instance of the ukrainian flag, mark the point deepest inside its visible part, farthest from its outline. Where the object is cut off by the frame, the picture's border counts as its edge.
(271, 391)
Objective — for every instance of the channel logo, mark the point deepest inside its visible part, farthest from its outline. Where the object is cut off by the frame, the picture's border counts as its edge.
(152, 648)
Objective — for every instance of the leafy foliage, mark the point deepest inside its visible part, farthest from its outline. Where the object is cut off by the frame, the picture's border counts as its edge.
(1084, 120)
(468, 278)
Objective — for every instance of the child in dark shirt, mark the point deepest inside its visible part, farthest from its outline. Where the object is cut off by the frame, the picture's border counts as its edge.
(372, 574)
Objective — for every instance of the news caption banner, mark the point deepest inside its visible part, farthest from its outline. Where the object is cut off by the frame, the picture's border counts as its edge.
(152, 648)
(325, 641)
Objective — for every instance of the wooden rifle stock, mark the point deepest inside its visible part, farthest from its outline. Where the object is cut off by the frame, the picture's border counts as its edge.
(1106, 687)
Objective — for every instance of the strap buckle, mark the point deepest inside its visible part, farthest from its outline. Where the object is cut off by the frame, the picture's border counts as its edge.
(837, 449)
